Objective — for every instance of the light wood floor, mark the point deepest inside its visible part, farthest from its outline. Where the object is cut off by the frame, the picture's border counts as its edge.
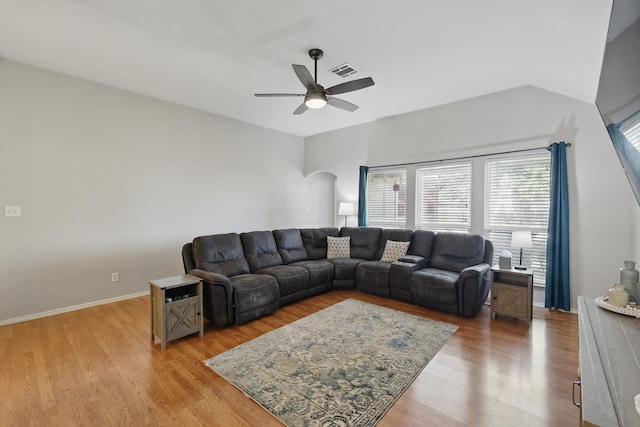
(98, 367)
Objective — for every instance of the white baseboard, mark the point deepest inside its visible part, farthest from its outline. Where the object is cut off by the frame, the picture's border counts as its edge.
(71, 308)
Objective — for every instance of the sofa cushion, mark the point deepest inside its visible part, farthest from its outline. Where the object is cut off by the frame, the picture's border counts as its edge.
(291, 278)
(394, 250)
(456, 251)
(260, 250)
(220, 253)
(422, 243)
(320, 271)
(364, 241)
(315, 241)
(345, 270)
(290, 245)
(338, 247)
(435, 288)
(373, 277)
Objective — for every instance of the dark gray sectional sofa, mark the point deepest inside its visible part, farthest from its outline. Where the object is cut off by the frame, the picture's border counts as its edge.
(250, 275)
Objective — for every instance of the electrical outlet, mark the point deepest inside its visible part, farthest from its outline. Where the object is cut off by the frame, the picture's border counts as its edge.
(12, 211)
(115, 277)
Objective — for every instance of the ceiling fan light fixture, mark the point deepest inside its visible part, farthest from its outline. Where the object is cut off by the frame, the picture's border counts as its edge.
(315, 100)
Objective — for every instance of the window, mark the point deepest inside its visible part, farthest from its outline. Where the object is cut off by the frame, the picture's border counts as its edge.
(630, 128)
(443, 197)
(517, 198)
(626, 140)
(386, 198)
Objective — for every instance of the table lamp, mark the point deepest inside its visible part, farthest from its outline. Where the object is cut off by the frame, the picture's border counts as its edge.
(346, 209)
(521, 239)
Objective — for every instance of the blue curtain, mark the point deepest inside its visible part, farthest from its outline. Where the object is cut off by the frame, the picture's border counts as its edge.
(557, 292)
(362, 197)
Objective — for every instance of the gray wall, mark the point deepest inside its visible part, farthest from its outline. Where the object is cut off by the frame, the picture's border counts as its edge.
(604, 215)
(113, 181)
(110, 181)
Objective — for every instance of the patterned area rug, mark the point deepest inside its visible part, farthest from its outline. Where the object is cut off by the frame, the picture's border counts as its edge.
(342, 366)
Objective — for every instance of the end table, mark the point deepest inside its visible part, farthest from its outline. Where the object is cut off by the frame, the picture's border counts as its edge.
(512, 293)
(176, 307)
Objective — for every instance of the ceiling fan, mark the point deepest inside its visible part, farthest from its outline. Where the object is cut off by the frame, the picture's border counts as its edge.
(317, 96)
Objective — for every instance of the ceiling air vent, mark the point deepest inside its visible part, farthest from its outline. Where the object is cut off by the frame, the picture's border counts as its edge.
(344, 70)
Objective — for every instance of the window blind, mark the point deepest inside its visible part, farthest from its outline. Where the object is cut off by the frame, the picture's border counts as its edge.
(517, 198)
(443, 197)
(386, 198)
(630, 128)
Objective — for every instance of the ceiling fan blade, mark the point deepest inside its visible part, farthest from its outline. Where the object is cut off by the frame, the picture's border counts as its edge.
(264, 95)
(341, 104)
(305, 76)
(301, 109)
(350, 86)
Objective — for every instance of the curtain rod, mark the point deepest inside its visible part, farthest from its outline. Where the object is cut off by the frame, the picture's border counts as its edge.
(568, 144)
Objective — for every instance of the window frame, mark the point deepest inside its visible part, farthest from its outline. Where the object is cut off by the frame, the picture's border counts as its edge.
(447, 222)
(399, 198)
(500, 233)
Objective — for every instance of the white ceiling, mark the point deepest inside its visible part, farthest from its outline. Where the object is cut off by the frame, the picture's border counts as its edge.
(214, 55)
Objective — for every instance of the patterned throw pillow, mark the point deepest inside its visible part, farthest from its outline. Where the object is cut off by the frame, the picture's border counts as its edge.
(394, 250)
(338, 247)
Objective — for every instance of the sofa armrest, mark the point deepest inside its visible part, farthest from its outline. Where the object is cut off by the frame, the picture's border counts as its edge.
(473, 288)
(474, 271)
(217, 297)
(211, 277)
(420, 262)
(400, 278)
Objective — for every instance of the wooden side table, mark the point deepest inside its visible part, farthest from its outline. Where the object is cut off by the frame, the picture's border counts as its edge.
(512, 293)
(176, 307)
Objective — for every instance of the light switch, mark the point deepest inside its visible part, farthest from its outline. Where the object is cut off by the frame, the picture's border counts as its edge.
(12, 211)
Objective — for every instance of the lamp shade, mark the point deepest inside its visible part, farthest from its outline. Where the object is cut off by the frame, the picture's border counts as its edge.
(346, 209)
(521, 239)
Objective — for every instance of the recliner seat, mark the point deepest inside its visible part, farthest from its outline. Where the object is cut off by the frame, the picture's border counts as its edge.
(292, 251)
(373, 276)
(263, 258)
(232, 295)
(452, 281)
